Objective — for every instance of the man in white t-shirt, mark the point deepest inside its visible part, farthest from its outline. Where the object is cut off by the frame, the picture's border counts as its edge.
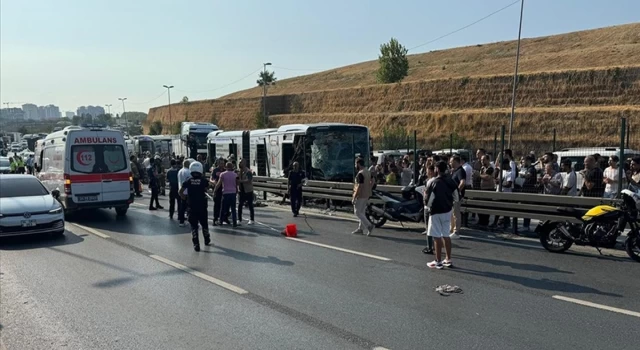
(569, 179)
(610, 177)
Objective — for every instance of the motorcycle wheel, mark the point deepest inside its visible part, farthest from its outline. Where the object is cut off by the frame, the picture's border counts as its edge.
(632, 247)
(553, 240)
(374, 218)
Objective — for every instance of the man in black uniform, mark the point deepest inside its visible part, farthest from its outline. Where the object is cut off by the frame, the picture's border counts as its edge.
(197, 188)
(296, 177)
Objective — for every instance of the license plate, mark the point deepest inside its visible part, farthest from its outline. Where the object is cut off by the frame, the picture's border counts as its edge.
(28, 223)
(87, 198)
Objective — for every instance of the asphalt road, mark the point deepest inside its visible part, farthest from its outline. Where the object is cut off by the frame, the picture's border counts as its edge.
(136, 283)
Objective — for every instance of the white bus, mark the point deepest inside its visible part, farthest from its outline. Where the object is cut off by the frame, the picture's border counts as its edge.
(326, 152)
(193, 134)
(88, 168)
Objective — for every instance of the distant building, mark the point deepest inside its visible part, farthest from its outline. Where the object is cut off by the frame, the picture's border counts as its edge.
(69, 114)
(93, 111)
(12, 114)
(30, 111)
(52, 112)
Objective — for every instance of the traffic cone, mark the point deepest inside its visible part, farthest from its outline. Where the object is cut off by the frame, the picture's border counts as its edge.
(291, 230)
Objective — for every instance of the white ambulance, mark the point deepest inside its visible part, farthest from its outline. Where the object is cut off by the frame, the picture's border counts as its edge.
(87, 168)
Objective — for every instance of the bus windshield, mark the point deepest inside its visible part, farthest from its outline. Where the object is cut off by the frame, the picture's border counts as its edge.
(146, 146)
(200, 138)
(333, 152)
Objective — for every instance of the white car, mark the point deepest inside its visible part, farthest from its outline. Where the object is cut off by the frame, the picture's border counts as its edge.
(27, 207)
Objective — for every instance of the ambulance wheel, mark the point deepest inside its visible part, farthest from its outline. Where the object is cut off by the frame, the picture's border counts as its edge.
(121, 211)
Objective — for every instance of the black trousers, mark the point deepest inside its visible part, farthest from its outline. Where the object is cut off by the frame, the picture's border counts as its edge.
(136, 186)
(174, 198)
(296, 200)
(245, 198)
(182, 208)
(199, 216)
(154, 197)
(217, 205)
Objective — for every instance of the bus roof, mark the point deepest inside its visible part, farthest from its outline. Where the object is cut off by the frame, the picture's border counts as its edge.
(304, 127)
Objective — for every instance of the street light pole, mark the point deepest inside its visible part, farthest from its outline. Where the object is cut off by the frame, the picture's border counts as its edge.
(108, 108)
(264, 92)
(515, 77)
(126, 123)
(169, 93)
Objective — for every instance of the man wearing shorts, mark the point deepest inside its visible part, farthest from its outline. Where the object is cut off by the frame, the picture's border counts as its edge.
(441, 194)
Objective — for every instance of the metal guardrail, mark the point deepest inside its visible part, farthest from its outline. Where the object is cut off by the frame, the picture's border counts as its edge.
(514, 205)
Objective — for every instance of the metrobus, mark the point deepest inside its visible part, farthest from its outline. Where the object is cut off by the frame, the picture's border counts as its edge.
(164, 143)
(193, 134)
(140, 145)
(325, 151)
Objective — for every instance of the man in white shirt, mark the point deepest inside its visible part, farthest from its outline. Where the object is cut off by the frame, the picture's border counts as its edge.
(569, 179)
(468, 184)
(610, 177)
(183, 175)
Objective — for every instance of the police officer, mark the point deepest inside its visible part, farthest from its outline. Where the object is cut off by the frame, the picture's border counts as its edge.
(197, 188)
(162, 183)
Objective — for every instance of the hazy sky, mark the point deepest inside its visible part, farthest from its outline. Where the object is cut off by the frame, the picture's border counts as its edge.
(81, 52)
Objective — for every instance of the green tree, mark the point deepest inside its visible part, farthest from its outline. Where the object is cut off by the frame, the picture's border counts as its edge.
(259, 120)
(394, 65)
(105, 119)
(394, 137)
(134, 116)
(266, 77)
(185, 99)
(155, 128)
(175, 129)
(453, 141)
(23, 130)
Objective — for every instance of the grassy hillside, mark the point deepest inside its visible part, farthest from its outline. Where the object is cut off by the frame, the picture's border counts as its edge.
(597, 48)
(578, 83)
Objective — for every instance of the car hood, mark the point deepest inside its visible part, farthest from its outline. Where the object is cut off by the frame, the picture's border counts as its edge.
(31, 204)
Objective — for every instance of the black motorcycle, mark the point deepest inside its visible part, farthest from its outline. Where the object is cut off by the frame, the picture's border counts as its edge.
(407, 208)
(600, 227)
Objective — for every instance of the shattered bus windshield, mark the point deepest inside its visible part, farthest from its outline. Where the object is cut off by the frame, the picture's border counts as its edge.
(333, 153)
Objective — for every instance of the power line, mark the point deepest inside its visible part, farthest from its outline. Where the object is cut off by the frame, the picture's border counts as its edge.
(299, 69)
(224, 86)
(465, 27)
(153, 99)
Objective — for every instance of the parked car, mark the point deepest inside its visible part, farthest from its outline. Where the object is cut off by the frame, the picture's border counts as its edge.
(5, 166)
(27, 207)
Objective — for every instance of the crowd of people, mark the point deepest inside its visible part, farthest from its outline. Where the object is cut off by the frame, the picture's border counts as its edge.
(17, 165)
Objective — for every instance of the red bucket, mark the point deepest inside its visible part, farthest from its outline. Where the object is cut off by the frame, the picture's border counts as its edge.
(291, 230)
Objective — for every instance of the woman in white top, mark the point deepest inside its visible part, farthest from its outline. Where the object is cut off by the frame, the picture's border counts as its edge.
(610, 177)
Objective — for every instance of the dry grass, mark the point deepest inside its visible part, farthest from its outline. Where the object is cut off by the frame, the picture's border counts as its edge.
(597, 48)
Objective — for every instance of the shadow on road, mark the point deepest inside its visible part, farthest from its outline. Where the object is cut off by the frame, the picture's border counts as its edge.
(514, 265)
(38, 241)
(238, 255)
(541, 284)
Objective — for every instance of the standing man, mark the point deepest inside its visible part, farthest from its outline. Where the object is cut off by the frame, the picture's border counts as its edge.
(30, 165)
(153, 185)
(610, 177)
(593, 184)
(217, 194)
(294, 186)
(135, 171)
(197, 186)
(361, 195)
(229, 183)
(183, 175)
(245, 181)
(174, 188)
(441, 194)
(459, 177)
(569, 180)
(162, 181)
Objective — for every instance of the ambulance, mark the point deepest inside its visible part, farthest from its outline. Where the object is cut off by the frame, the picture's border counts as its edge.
(87, 168)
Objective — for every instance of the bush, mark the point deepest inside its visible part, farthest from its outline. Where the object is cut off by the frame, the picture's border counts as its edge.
(394, 137)
(155, 128)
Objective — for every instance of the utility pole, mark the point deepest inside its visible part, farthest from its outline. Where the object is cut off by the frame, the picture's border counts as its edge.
(264, 92)
(169, 93)
(515, 77)
(126, 123)
(108, 108)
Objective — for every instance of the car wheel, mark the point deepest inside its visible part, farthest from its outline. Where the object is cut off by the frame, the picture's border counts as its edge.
(121, 211)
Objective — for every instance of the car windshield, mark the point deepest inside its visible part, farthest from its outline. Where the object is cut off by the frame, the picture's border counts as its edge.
(21, 187)
(98, 159)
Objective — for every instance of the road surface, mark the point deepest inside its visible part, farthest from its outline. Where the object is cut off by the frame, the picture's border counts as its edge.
(136, 283)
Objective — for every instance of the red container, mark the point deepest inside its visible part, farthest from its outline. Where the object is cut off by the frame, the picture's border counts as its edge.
(291, 230)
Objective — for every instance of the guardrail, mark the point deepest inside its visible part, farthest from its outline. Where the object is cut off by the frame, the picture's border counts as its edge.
(514, 205)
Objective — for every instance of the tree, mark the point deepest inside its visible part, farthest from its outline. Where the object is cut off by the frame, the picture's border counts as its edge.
(23, 130)
(394, 65)
(394, 137)
(134, 116)
(268, 77)
(155, 128)
(176, 129)
(259, 120)
(185, 99)
(452, 141)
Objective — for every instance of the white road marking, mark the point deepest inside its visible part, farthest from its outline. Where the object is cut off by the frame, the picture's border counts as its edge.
(90, 230)
(138, 204)
(339, 249)
(597, 306)
(380, 348)
(200, 275)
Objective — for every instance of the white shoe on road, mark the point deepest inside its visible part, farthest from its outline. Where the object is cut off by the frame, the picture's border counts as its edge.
(357, 232)
(250, 222)
(454, 235)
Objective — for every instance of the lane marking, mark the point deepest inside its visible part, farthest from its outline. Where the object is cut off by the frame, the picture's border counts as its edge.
(339, 249)
(90, 230)
(380, 348)
(200, 275)
(597, 306)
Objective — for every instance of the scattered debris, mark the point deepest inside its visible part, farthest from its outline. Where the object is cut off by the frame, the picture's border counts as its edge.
(446, 290)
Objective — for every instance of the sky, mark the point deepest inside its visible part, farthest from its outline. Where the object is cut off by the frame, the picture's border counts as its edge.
(91, 52)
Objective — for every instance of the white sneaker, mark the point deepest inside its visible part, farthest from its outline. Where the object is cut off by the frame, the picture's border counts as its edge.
(435, 265)
(454, 235)
(424, 233)
(182, 225)
(250, 222)
(357, 232)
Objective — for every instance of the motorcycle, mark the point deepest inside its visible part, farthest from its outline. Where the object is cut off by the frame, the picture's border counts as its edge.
(600, 227)
(408, 208)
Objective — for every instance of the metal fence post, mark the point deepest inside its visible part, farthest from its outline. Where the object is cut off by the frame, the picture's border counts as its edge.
(495, 145)
(628, 135)
(501, 157)
(415, 157)
(451, 143)
(623, 128)
(553, 147)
